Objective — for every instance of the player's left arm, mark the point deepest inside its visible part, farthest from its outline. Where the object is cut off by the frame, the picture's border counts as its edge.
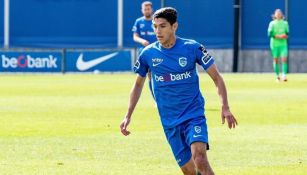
(221, 88)
(286, 30)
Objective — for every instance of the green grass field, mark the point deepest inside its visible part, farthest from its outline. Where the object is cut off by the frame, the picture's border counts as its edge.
(69, 124)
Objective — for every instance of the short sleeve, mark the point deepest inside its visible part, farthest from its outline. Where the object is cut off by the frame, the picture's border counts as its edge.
(135, 28)
(203, 57)
(140, 66)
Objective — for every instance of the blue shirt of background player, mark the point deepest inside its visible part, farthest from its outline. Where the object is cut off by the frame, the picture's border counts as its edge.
(144, 29)
(175, 79)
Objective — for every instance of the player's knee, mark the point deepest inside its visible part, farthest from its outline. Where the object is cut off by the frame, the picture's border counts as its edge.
(284, 59)
(199, 160)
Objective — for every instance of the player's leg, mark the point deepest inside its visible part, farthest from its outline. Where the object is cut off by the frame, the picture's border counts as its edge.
(276, 68)
(181, 150)
(199, 155)
(197, 138)
(284, 55)
(284, 68)
(275, 55)
(189, 168)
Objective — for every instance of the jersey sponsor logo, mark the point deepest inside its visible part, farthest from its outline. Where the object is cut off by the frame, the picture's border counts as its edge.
(173, 77)
(206, 56)
(142, 25)
(85, 65)
(28, 61)
(182, 61)
(150, 33)
(197, 129)
(156, 61)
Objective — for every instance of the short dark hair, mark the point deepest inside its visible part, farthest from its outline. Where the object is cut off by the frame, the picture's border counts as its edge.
(168, 13)
(146, 3)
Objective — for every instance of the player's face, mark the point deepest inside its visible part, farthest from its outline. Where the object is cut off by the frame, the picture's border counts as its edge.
(165, 32)
(147, 11)
(278, 14)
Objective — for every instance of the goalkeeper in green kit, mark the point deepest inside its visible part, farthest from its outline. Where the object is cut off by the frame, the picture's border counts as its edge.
(278, 32)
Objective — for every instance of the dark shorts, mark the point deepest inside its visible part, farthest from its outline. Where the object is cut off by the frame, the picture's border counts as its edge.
(182, 136)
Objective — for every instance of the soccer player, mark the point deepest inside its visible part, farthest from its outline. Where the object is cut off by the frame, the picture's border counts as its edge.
(142, 29)
(278, 31)
(143, 32)
(172, 61)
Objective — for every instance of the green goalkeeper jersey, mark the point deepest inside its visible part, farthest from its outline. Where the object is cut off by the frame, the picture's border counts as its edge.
(278, 27)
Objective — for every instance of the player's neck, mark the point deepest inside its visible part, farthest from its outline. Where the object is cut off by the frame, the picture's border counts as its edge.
(170, 43)
(148, 18)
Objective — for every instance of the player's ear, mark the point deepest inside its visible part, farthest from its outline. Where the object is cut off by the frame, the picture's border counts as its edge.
(175, 26)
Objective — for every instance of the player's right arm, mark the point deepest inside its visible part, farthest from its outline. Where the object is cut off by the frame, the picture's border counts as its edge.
(133, 100)
(270, 30)
(136, 34)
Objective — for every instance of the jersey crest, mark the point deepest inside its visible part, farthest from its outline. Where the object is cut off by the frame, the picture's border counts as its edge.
(182, 61)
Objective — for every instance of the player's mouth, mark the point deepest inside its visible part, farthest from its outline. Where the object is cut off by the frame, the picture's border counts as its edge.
(159, 37)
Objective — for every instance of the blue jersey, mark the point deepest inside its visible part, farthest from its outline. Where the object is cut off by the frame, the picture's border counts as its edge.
(144, 29)
(175, 79)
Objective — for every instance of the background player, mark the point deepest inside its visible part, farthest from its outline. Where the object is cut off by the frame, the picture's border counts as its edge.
(278, 32)
(143, 32)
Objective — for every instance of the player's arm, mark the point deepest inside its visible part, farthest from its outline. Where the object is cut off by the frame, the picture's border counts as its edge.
(285, 35)
(140, 40)
(281, 36)
(134, 98)
(270, 30)
(221, 88)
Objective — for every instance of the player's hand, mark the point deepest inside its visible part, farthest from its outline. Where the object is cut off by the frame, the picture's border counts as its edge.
(123, 126)
(231, 120)
(284, 36)
(145, 43)
(281, 36)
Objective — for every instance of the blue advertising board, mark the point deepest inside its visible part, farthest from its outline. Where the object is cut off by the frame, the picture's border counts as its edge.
(30, 61)
(98, 60)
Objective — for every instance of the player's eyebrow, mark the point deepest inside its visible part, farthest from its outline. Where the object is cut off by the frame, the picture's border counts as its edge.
(155, 24)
